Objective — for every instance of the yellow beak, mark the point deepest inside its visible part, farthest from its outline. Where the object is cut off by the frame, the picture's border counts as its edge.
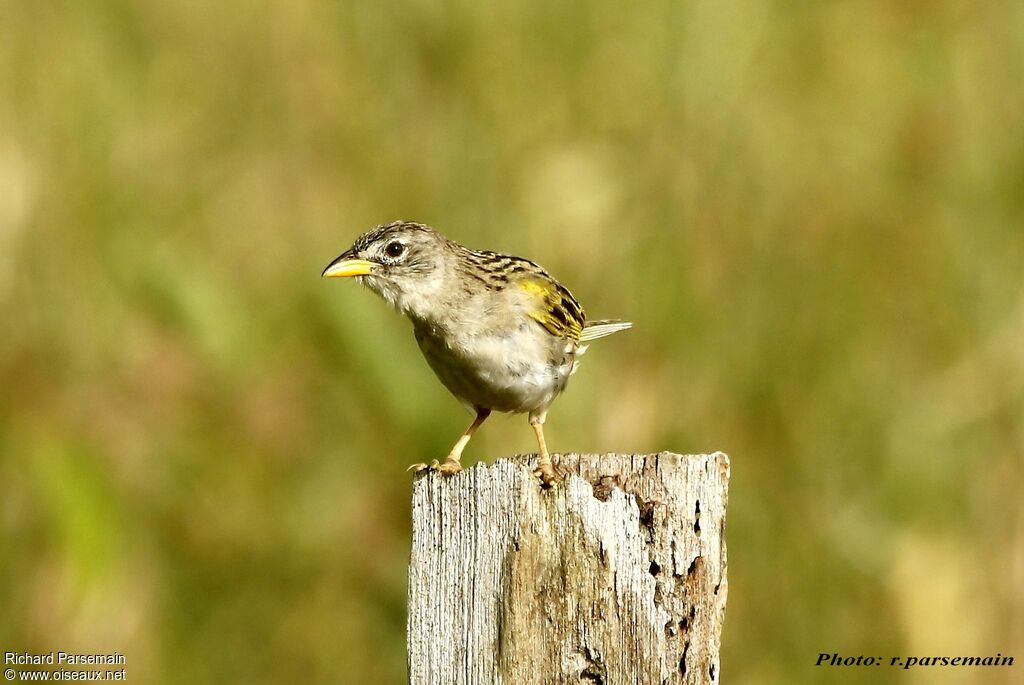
(346, 268)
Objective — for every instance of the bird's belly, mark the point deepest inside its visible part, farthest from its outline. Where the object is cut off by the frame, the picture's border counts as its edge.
(511, 372)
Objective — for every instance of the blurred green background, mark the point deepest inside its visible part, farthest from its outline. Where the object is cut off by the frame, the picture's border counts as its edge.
(812, 211)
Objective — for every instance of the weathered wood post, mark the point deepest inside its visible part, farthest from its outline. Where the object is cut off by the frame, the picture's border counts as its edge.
(616, 575)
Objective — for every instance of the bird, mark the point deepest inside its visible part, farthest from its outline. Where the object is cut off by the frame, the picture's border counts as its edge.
(499, 331)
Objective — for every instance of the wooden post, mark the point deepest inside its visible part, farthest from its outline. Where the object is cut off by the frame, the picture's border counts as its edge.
(615, 575)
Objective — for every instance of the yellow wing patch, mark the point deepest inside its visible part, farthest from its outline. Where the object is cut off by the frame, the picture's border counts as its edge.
(555, 308)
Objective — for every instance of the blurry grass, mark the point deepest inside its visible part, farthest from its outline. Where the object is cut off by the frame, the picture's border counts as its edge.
(812, 211)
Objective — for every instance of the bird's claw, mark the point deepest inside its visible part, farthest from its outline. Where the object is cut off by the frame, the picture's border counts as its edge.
(448, 467)
(547, 476)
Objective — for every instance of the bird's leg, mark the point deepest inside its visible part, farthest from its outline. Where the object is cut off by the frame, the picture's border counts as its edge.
(545, 470)
(452, 463)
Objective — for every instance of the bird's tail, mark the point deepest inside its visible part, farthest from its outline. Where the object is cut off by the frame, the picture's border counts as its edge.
(598, 329)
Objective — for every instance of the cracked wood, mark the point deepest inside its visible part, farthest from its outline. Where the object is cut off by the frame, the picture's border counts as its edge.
(616, 575)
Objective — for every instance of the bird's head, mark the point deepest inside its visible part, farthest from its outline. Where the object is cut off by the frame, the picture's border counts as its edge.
(405, 263)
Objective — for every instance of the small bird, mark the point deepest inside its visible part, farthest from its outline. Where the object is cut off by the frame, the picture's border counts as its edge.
(499, 332)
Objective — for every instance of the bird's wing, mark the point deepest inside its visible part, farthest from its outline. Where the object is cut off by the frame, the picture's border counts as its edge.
(547, 301)
(553, 306)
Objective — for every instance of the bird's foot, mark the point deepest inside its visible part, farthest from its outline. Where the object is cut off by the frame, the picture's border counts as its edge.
(546, 474)
(448, 467)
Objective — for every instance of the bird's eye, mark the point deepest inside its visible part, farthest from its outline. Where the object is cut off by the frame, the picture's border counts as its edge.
(394, 249)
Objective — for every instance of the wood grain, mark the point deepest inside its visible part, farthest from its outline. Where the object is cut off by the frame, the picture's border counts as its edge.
(615, 575)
